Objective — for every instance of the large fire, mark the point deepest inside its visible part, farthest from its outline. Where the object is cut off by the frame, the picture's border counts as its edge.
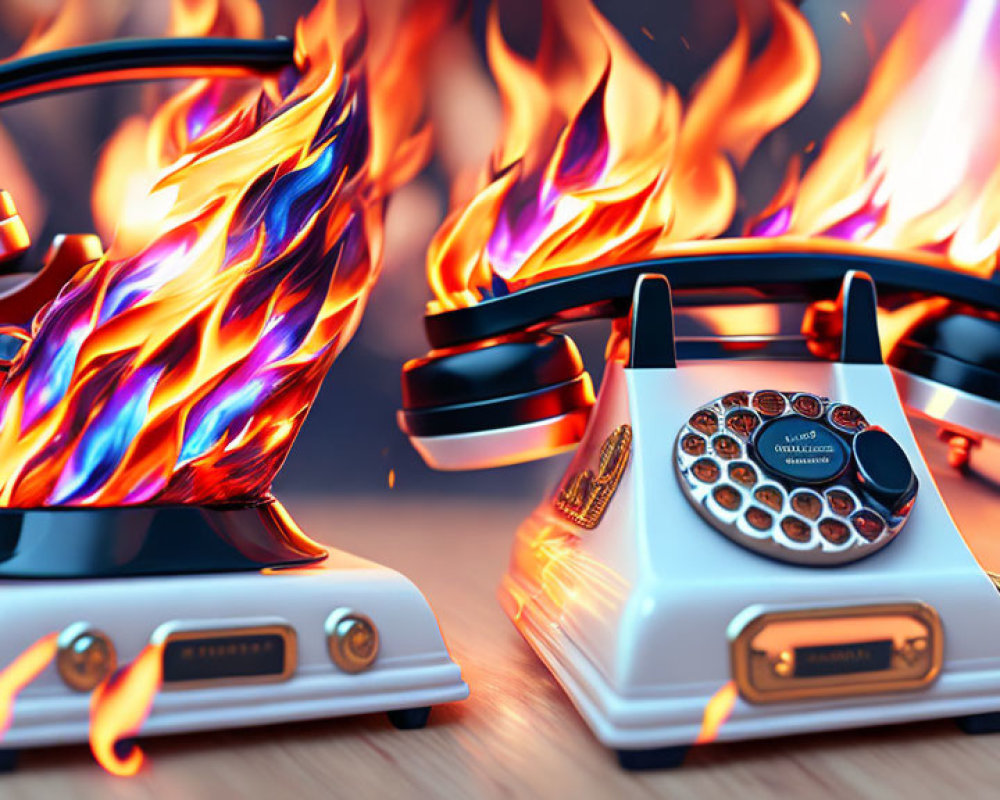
(601, 163)
(180, 366)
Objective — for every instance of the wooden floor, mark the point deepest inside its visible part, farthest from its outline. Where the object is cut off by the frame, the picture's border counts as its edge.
(517, 736)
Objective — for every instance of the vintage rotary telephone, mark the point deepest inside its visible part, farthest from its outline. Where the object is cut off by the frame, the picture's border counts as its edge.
(228, 605)
(792, 442)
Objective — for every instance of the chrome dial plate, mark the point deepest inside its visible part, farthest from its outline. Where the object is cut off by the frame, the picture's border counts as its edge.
(821, 517)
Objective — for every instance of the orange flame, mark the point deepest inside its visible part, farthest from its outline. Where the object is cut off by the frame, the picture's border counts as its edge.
(119, 707)
(76, 22)
(180, 369)
(22, 671)
(142, 147)
(717, 711)
(600, 162)
(916, 163)
(564, 574)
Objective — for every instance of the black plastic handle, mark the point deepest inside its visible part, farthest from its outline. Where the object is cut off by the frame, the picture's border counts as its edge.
(608, 292)
(123, 60)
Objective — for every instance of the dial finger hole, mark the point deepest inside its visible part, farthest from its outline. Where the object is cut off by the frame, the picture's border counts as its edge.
(834, 531)
(769, 403)
(736, 400)
(758, 518)
(770, 496)
(742, 422)
(704, 421)
(727, 447)
(705, 470)
(742, 473)
(808, 504)
(694, 445)
(727, 497)
(795, 529)
(847, 418)
(841, 503)
(868, 524)
(807, 405)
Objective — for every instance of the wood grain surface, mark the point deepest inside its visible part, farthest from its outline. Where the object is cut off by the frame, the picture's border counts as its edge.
(517, 736)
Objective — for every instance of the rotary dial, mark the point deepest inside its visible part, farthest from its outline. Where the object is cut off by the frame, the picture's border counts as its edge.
(795, 476)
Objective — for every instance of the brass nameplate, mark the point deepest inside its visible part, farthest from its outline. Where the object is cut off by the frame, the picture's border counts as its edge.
(836, 652)
(585, 496)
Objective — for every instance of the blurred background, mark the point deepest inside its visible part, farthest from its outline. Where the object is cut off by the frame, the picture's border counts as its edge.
(350, 443)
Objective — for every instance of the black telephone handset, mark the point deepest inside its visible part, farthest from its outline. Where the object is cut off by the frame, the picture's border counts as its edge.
(500, 386)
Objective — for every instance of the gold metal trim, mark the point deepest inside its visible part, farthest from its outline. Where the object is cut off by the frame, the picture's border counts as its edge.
(286, 632)
(765, 673)
(346, 630)
(85, 657)
(585, 497)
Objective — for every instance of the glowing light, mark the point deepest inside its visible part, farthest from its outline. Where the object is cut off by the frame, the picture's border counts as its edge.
(143, 147)
(120, 705)
(180, 366)
(22, 671)
(916, 163)
(717, 711)
(566, 575)
(600, 162)
(69, 26)
(846, 17)
(392, 479)
(941, 401)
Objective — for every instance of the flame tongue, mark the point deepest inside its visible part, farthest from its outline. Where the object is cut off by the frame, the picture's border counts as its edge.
(717, 712)
(22, 671)
(120, 705)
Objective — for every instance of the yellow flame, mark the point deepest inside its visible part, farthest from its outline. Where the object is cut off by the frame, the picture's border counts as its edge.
(22, 671)
(717, 711)
(120, 705)
(600, 162)
(144, 146)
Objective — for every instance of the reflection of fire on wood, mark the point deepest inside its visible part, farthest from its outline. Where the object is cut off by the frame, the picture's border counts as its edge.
(585, 496)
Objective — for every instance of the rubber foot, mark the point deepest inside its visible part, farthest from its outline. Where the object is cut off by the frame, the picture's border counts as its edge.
(654, 758)
(8, 760)
(409, 719)
(976, 724)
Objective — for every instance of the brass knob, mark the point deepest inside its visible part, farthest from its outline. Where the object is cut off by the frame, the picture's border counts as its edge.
(352, 639)
(85, 658)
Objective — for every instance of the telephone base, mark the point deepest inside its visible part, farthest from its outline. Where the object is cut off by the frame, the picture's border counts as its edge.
(645, 615)
(412, 670)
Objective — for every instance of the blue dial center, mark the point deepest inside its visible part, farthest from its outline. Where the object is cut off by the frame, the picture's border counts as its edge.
(801, 450)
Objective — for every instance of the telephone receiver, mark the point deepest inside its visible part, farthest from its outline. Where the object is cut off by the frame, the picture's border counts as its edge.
(502, 386)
